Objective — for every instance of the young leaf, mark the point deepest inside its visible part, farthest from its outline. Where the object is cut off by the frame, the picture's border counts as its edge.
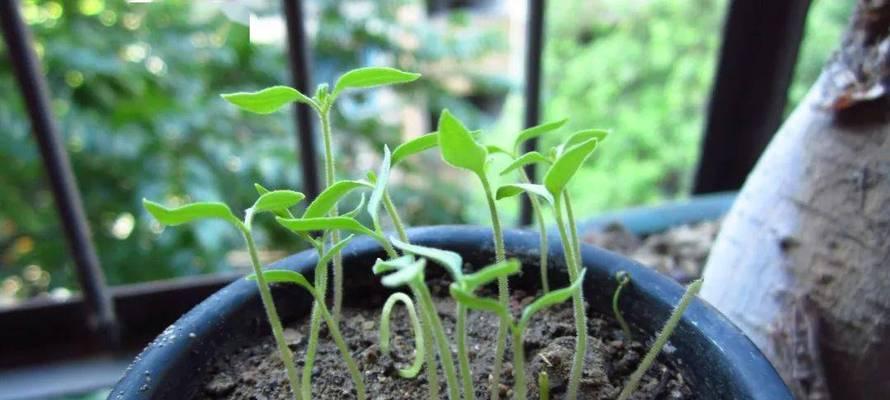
(459, 148)
(325, 223)
(327, 199)
(411, 272)
(189, 212)
(268, 100)
(448, 259)
(381, 180)
(513, 189)
(371, 77)
(395, 264)
(488, 274)
(277, 201)
(551, 299)
(494, 149)
(285, 276)
(536, 131)
(527, 158)
(566, 165)
(470, 300)
(585, 135)
(329, 254)
(414, 146)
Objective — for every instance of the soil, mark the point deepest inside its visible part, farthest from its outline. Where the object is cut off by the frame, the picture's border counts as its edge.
(255, 371)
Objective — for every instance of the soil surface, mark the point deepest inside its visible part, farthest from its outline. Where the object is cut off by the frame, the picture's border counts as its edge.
(255, 371)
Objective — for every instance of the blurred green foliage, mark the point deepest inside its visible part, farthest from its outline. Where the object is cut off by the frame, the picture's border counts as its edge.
(135, 88)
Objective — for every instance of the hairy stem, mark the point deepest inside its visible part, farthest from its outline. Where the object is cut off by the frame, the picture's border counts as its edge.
(394, 215)
(321, 271)
(432, 374)
(419, 345)
(577, 304)
(660, 340)
(463, 358)
(426, 301)
(573, 229)
(272, 314)
(542, 234)
(503, 290)
(344, 350)
(520, 388)
(325, 116)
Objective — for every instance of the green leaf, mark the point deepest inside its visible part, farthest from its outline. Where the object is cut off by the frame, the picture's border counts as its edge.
(414, 146)
(324, 224)
(285, 276)
(328, 199)
(566, 165)
(488, 274)
(470, 300)
(372, 76)
(527, 158)
(395, 264)
(536, 131)
(494, 149)
(268, 100)
(189, 212)
(277, 201)
(336, 248)
(459, 148)
(405, 274)
(513, 189)
(448, 259)
(585, 135)
(381, 180)
(551, 299)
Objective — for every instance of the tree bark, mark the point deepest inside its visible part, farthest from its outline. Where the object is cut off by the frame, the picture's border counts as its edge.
(802, 263)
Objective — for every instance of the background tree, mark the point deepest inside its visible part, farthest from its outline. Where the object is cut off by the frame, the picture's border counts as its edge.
(802, 263)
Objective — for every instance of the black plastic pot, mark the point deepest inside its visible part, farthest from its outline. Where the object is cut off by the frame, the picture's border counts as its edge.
(719, 360)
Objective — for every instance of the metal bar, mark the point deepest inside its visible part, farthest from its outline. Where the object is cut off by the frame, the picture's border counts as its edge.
(533, 52)
(760, 45)
(300, 75)
(26, 68)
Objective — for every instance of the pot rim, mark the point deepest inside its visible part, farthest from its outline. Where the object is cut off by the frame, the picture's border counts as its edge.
(731, 366)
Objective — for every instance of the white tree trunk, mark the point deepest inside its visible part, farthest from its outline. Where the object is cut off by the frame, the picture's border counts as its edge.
(802, 264)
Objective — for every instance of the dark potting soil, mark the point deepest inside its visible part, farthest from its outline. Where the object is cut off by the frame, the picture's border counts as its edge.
(255, 371)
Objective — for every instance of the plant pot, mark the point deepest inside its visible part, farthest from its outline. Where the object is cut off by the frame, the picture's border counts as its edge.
(719, 360)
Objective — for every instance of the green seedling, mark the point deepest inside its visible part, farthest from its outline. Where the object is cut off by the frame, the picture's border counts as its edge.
(407, 271)
(272, 99)
(452, 263)
(275, 202)
(322, 205)
(660, 340)
(544, 385)
(564, 164)
(461, 150)
(463, 292)
(623, 279)
(288, 276)
(415, 367)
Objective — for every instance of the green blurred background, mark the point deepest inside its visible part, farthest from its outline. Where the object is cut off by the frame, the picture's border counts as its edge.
(135, 89)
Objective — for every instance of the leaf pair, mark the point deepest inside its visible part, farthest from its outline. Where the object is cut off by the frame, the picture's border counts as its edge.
(271, 99)
(277, 201)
